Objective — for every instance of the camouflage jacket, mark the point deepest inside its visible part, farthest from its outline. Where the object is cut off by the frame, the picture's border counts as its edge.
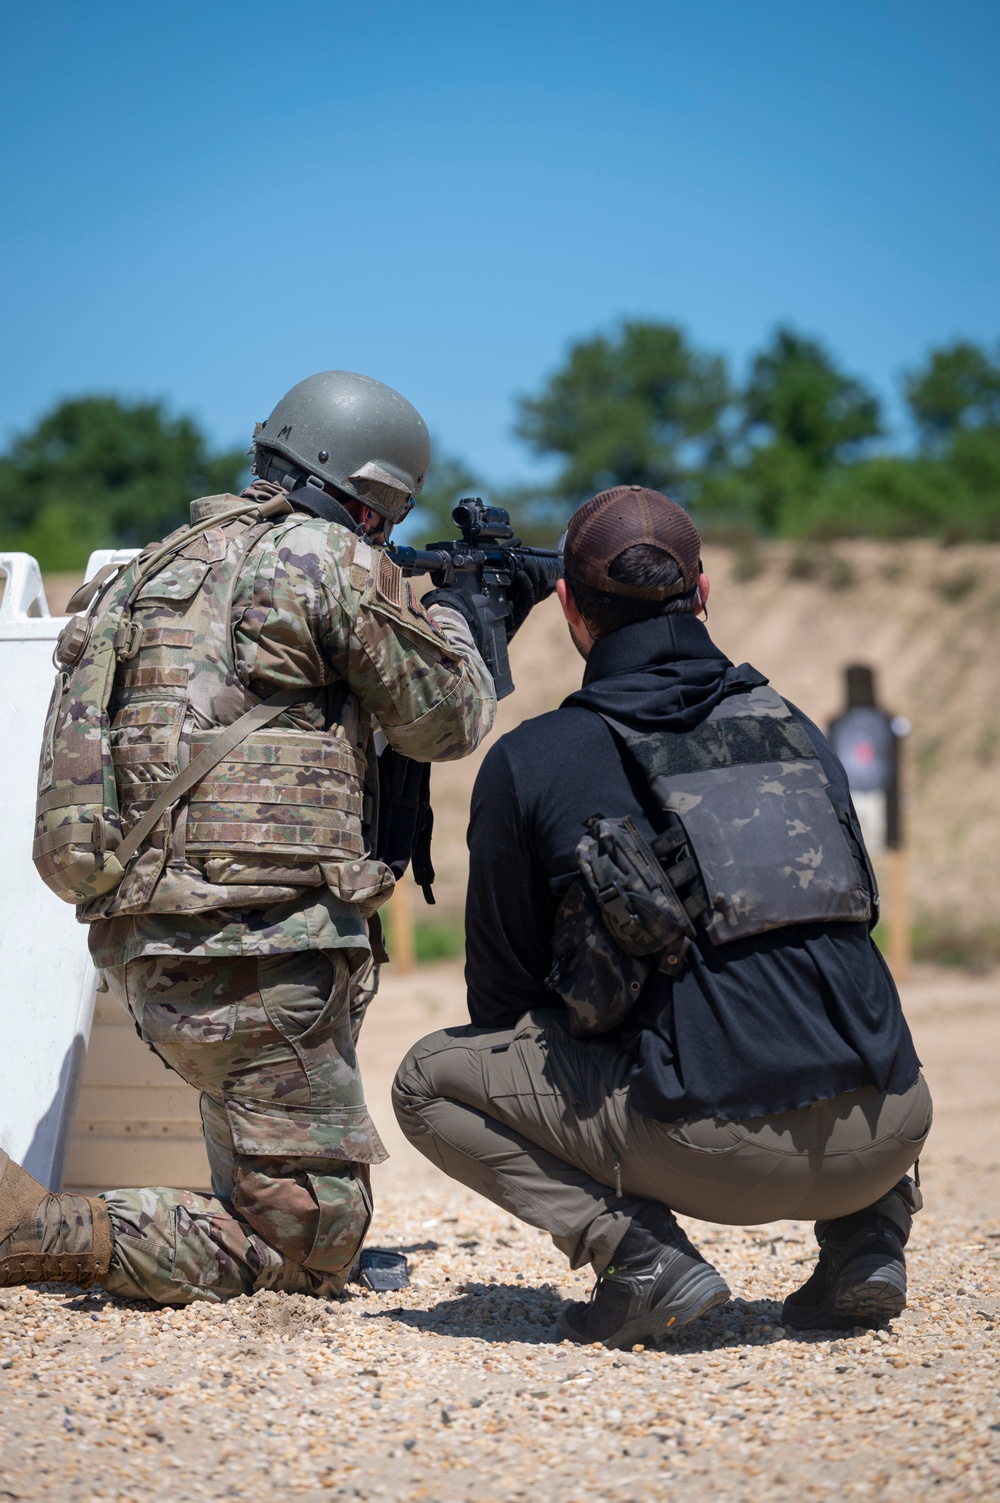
(309, 604)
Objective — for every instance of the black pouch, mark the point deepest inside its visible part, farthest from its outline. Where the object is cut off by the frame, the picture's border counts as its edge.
(620, 922)
(406, 819)
(598, 982)
(638, 903)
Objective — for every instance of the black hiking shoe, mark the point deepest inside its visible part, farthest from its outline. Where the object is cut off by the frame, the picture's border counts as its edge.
(657, 1282)
(860, 1279)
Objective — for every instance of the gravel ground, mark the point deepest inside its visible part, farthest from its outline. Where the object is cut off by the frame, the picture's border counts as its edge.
(456, 1390)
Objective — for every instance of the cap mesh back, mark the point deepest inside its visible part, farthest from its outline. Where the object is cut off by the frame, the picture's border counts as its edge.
(626, 517)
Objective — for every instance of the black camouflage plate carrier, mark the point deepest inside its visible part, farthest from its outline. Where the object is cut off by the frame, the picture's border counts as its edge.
(753, 843)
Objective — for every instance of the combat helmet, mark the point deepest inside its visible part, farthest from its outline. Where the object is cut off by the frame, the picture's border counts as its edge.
(350, 432)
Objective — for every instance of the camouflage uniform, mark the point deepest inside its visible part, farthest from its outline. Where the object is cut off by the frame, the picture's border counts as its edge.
(238, 940)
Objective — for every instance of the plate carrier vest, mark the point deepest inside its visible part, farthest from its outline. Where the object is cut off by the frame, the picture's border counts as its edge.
(155, 650)
(752, 842)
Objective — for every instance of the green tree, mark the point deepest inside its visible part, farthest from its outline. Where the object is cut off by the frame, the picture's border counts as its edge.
(639, 408)
(958, 391)
(97, 472)
(798, 398)
(803, 420)
(949, 489)
(789, 455)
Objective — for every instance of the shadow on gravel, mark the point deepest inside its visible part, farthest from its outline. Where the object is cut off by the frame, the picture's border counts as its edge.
(487, 1312)
(92, 1301)
(511, 1312)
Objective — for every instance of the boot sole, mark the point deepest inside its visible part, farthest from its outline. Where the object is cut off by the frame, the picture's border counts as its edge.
(873, 1304)
(700, 1291)
(872, 1300)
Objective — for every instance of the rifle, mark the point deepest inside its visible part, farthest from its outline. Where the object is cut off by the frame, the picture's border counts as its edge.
(482, 564)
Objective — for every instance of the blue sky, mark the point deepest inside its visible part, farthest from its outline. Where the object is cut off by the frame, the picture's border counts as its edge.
(207, 202)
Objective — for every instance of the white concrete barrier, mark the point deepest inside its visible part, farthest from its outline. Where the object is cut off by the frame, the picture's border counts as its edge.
(47, 982)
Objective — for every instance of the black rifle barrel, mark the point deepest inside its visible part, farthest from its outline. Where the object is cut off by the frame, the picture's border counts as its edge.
(424, 560)
(460, 555)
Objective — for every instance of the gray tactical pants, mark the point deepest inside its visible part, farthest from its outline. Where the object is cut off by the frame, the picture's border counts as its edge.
(539, 1123)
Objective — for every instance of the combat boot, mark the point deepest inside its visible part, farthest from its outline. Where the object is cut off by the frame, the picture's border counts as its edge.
(656, 1282)
(63, 1238)
(860, 1278)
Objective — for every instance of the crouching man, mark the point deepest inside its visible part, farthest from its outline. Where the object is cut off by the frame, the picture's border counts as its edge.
(676, 1004)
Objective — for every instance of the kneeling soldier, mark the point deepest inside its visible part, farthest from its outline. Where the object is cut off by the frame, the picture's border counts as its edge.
(258, 649)
(676, 1003)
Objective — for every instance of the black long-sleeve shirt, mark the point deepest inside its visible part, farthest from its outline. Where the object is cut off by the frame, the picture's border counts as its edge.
(755, 1026)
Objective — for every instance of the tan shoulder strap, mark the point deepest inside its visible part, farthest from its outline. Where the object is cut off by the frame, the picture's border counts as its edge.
(225, 741)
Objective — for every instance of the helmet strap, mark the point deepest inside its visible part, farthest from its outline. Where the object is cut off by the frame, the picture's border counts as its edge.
(310, 493)
(318, 503)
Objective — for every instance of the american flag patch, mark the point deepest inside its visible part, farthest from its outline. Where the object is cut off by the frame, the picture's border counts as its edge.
(390, 582)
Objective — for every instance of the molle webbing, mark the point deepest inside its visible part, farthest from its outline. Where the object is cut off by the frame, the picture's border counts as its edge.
(277, 792)
(736, 741)
(78, 822)
(156, 678)
(291, 794)
(288, 793)
(209, 758)
(748, 789)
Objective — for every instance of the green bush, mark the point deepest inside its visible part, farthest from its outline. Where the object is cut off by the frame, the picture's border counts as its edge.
(438, 939)
(100, 473)
(954, 499)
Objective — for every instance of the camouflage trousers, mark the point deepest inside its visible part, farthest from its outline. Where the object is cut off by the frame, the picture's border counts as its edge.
(270, 1043)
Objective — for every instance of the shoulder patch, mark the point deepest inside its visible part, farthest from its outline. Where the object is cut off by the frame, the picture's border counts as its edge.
(361, 565)
(389, 595)
(390, 582)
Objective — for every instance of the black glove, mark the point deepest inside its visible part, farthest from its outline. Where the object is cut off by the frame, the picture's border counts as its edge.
(455, 600)
(532, 583)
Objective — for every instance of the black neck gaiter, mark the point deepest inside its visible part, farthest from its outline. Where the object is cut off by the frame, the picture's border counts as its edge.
(661, 675)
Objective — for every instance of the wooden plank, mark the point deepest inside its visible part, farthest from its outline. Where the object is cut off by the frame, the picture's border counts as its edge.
(137, 1122)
